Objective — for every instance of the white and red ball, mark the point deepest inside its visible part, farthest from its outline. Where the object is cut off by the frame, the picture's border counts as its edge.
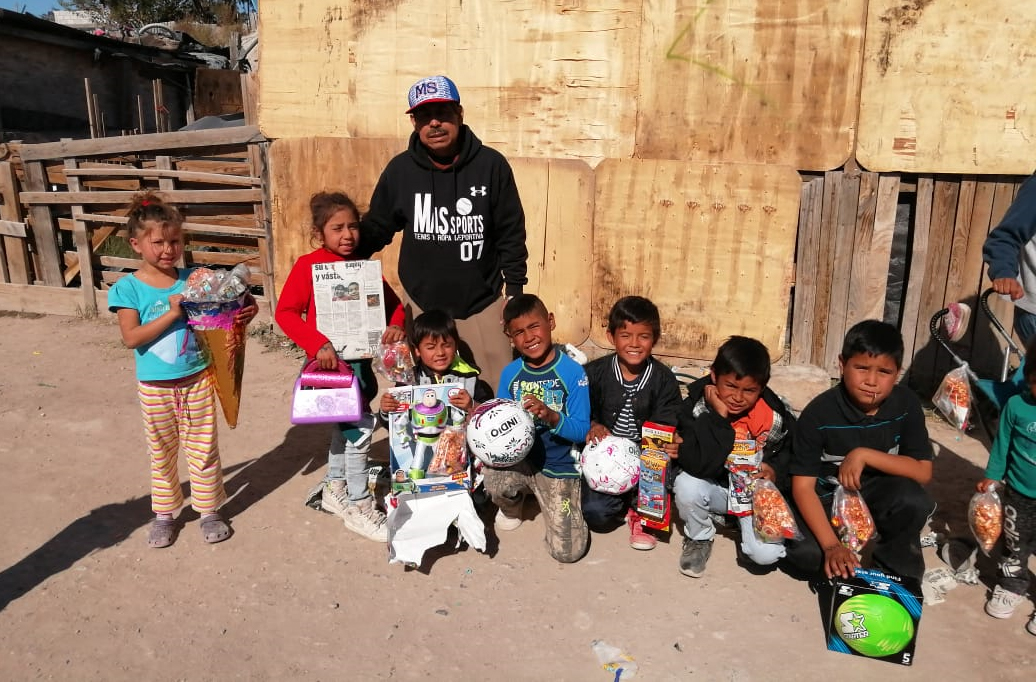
(611, 465)
(501, 433)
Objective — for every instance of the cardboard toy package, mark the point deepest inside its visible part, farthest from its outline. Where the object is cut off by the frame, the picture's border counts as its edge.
(876, 615)
(653, 503)
(427, 445)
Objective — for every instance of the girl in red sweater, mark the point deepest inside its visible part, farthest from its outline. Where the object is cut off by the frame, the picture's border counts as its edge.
(336, 227)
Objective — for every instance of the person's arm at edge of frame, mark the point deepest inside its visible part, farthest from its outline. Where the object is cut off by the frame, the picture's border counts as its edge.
(1006, 241)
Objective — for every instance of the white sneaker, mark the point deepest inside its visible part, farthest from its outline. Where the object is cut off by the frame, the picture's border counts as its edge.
(1002, 603)
(334, 497)
(1030, 627)
(506, 523)
(365, 519)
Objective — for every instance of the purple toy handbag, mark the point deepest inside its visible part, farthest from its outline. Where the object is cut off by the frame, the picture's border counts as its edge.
(326, 396)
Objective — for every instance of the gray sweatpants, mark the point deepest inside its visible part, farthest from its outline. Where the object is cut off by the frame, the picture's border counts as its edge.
(567, 536)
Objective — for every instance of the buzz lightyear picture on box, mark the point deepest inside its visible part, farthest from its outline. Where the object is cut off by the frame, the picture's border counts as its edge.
(427, 446)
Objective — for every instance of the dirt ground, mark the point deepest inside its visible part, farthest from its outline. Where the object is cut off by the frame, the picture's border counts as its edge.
(293, 595)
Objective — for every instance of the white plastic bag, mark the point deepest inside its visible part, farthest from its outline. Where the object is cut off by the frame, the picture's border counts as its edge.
(953, 397)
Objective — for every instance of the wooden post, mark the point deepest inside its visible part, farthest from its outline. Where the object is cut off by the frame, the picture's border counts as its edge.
(83, 247)
(803, 318)
(140, 115)
(90, 112)
(914, 285)
(846, 206)
(160, 116)
(44, 231)
(859, 305)
(249, 94)
(17, 265)
(257, 158)
(937, 267)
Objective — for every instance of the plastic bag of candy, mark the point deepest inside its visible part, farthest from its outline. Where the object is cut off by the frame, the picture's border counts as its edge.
(953, 397)
(451, 452)
(771, 515)
(852, 519)
(986, 518)
(394, 362)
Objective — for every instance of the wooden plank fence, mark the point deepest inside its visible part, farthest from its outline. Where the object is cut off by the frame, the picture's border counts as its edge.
(72, 204)
(847, 224)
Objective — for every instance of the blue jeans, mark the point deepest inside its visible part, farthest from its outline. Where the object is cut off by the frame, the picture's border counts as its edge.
(1024, 325)
(347, 456)
(696, 498)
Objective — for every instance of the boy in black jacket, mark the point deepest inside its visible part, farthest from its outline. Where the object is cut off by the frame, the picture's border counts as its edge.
(734, 430)
(627, 388)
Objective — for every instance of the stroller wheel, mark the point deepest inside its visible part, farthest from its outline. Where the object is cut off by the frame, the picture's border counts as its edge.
(955, 321)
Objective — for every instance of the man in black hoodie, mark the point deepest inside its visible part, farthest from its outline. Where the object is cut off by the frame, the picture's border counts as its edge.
(456, 202)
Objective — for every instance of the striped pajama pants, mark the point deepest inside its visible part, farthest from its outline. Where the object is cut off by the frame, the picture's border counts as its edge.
(176, 414)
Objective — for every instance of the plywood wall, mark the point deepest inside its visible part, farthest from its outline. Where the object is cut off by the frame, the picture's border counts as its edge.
(750, 81)
(731, 80)
(711, 245)
(949, 86)
(538, 79)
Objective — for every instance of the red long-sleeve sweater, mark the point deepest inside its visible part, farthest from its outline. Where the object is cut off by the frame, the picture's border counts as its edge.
(297, 311)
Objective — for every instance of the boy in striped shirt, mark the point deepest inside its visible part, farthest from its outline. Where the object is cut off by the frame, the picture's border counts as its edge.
(627, 388)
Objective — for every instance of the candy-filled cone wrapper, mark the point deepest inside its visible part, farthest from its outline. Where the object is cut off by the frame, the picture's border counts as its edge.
(228, 367)
(224, 340)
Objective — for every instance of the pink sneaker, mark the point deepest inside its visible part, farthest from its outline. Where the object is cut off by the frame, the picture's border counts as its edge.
(955, 322)
(638, 538)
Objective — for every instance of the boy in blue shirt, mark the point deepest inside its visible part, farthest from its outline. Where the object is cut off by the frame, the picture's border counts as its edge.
(867, 434)
(553, 388)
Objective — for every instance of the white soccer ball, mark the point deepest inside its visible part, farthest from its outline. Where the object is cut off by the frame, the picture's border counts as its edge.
(611, 465)
(501, 433)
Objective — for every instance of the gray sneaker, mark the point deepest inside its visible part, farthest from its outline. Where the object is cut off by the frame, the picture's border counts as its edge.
(694, 556)
(364, 518)
(334, 497)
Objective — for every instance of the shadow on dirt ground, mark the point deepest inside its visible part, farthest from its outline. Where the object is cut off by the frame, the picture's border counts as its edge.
(110, 524)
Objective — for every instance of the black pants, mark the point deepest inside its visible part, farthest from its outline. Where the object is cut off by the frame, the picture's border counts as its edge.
(1019, 541)
(604, 512)
(900, 507)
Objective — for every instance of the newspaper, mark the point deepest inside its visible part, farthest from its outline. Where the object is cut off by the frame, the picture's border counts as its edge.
(350, 303)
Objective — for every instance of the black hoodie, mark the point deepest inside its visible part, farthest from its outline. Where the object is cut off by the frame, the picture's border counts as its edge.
(463, 226)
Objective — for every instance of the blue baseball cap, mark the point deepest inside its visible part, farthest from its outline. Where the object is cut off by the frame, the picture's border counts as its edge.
(432, 89)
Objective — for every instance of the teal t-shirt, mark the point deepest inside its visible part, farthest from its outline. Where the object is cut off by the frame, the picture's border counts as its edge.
(173, 355)
(1013, 456)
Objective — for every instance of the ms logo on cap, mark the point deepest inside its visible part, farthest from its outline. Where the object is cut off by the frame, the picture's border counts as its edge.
(432, 89)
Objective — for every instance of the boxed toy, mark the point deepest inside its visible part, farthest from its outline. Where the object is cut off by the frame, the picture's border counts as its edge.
(876, 615)
(427, 447)
(653, 503)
